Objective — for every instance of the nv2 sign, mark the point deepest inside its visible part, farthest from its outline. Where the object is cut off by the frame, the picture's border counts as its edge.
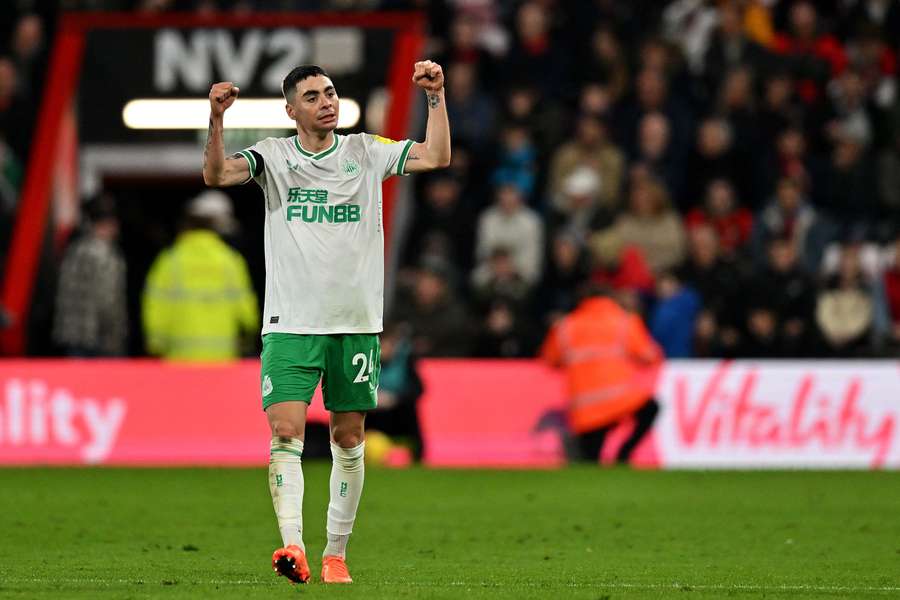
(190, 60)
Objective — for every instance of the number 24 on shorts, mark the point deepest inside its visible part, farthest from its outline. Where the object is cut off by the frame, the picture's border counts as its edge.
(365, 364)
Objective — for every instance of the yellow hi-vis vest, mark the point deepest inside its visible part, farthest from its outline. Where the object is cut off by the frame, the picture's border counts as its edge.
(198, 299)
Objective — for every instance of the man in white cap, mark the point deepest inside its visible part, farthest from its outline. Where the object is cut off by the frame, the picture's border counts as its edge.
(198, 300)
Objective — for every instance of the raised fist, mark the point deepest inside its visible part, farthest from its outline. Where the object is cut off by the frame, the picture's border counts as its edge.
(221, 96)
(429, 76)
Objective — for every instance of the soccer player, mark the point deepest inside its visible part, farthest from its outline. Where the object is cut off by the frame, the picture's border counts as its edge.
(324, 247)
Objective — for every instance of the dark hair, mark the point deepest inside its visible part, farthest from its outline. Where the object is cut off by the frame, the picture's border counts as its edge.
(100, 208)
(298, 74)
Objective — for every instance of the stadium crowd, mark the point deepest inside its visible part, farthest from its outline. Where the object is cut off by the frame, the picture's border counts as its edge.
(730, 170)
(727, 169)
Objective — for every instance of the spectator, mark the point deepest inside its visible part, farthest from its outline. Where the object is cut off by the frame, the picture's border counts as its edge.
(672, 318)
(730, 48)
(716, 275)
(656, 151)
(618, 265)
(813, 56)
(511, 225)
(466, 48)
(604, 351)
(778, 110)
(888, 181)
(28, 52)
(714, 159)
(605, 63)
(533, 52)
(505, 332)
(498, 279)
(567, 268)
(761, 337)
(575, 206)
(718, 279)
(691, 24)
(516, 161)
(652, 225)
(399, 390)
(737, 105)
(845, 308)
(652, 97)
(526, 106)
(880, 15)
(443, 223)
(849, 113)
(468, 107)
(892, 290)
(850, 199)
(91, 318)
(15, 110)
(783, 290)
(591, 149)
(198, 300)
(731, 222)
(790, 216)
(436, 317)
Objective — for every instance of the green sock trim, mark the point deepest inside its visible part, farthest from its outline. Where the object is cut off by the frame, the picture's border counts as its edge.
(286, 450)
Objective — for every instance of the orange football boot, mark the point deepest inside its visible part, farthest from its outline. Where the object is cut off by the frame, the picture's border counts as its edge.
(334, 570)
(291, 562)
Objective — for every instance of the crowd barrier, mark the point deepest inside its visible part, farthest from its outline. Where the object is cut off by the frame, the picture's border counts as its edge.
(714, 414)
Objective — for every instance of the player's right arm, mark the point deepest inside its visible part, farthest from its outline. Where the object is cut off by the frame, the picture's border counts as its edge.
(219, 171)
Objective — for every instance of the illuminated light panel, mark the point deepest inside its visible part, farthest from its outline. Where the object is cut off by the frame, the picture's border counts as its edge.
(246, 113)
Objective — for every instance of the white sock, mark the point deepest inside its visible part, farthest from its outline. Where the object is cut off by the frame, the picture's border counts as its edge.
(347, 474)
(286, 485)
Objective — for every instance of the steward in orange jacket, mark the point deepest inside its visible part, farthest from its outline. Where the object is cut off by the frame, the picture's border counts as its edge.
(606, 353)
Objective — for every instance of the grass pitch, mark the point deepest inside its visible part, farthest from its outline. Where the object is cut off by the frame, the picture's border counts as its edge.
(574, 533)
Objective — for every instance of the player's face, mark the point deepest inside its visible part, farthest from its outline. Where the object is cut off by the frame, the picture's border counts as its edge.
(315, 105)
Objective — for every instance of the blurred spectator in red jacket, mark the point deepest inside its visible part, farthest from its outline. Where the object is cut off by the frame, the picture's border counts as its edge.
(731, 222)
(813, 56)
(618, 265)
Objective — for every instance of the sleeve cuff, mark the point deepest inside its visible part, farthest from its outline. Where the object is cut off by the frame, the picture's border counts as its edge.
(401, 164)
(251, 162)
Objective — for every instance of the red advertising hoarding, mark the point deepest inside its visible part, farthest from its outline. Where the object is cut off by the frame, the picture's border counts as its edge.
(715, 414)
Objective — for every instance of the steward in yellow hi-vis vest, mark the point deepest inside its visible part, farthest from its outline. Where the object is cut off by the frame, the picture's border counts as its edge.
(198, 299)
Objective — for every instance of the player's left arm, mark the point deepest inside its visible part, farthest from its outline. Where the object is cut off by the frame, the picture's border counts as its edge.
(434, 152)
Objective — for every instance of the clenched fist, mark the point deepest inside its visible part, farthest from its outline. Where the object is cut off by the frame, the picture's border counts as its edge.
(221, 96)
(429, 76)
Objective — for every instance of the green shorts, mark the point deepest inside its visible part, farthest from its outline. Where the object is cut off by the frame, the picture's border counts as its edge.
(349, 366)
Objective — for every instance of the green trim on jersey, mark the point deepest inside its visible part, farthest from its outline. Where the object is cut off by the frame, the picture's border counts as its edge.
(321, 154)
(251, 161)
(401, 164)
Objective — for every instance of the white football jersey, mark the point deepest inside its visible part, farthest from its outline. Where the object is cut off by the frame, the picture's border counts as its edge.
(324, 237)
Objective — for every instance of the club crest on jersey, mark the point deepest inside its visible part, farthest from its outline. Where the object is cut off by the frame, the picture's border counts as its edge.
(350, 167)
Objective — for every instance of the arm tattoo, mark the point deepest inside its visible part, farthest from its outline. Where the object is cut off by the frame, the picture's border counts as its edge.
(208, 140)
(433, 101)
(412, 156)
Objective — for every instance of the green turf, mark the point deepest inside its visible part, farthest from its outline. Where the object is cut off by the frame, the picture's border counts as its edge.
(574, 533)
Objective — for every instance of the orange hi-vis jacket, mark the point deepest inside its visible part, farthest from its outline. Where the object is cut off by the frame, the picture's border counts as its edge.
(607, 354)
